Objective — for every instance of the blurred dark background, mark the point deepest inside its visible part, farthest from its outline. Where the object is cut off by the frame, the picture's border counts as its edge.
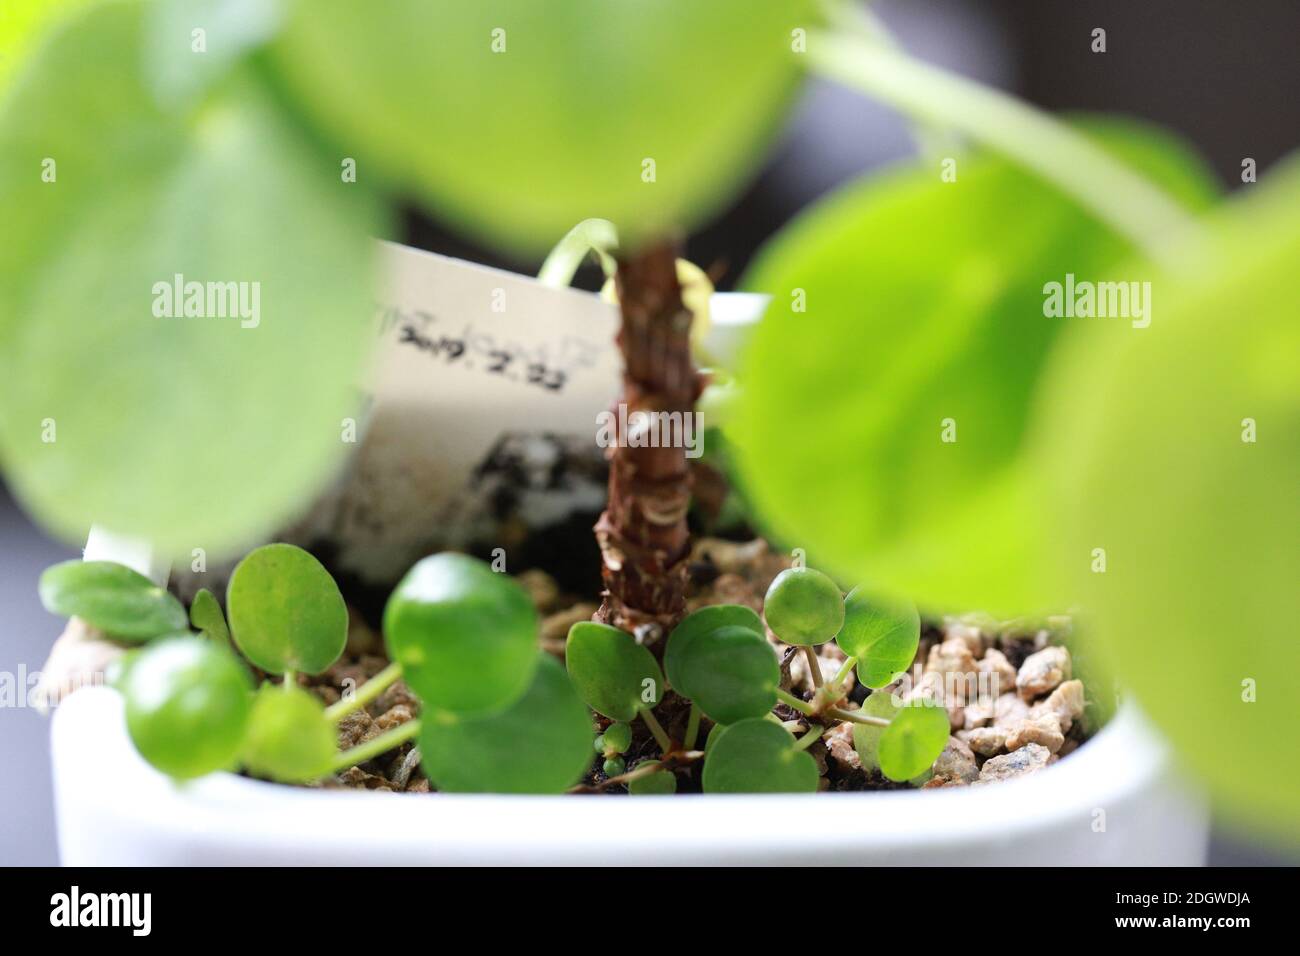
(1225, 75)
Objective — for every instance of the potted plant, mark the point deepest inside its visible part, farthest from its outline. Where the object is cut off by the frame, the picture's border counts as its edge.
(957, 415)
(186, 707)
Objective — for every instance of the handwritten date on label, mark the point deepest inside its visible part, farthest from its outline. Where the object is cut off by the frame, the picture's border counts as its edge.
(546, 366)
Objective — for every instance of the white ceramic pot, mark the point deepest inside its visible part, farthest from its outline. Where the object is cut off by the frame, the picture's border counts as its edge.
(1115, 801)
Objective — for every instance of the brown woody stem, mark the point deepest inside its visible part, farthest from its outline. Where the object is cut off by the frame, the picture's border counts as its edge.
(643, 537)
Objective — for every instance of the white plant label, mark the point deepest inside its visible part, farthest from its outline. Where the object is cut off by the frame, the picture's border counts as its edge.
(492, 344)
(485, 386)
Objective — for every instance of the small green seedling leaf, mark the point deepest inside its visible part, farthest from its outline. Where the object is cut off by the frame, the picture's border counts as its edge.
(541, 744)
(913, 741)
(614, 766)
(286, 612)
(617, 737)
(866, 738)
(701, 622)
(732, 673)
(187, 705)
(804, 606)
(466, 637)
(614, 674)
(659, 783)
(205, 614)
(758, 756)
(883, 635)
(112, 598)
(289, 737)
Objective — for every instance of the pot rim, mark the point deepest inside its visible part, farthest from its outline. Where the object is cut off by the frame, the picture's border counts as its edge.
(91, 749)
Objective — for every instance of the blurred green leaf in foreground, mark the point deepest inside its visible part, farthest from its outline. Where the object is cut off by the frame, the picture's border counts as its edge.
(517, 119)
(195, 420)
(23, 24)
(887, 395)
(1175, 456)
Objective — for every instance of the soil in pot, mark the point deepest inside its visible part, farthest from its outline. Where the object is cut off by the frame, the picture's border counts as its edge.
(1014, 705)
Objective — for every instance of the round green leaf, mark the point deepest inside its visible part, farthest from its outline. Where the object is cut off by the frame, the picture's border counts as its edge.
(732, 673)
(205, 614)
(866, 737)
(913, 741)
(1175, 451)
(289, 737)
(617, 737)
(883, 425)
(198, 431)
(701, 622)
(540, 744)
(614, 674)
(758, 756)
(804, 606)
(286, 612)
(187, 705)
(659, 783)
(882, 634)
(466, 636)
(517, 120)
(113, 598)
(714, 733)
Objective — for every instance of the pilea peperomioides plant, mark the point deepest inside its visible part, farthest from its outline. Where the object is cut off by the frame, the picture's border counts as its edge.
(497, 713)
(720, 660)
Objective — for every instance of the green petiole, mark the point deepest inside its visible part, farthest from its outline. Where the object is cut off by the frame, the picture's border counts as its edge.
(854, 717)
(789, 699)
(845, 668)
(813, 735)
(1110, 190)
(660, 735)
(814, 667)
(366, 693)
(375, 746)
(596, 236)
(853, 19)
(692, 727)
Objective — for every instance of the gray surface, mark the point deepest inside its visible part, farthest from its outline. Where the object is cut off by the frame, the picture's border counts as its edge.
(26, 632)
